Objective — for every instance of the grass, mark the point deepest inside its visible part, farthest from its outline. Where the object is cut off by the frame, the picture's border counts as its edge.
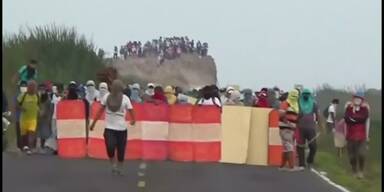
(339, 169)
(63, 55)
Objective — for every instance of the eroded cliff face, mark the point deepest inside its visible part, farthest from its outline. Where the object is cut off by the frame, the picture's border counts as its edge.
(187, 71)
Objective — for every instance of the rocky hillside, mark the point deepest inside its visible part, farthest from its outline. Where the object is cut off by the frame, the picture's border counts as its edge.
(187, 71)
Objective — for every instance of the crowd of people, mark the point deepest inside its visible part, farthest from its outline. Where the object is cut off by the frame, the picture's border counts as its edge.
(163, 48)
(298, 114)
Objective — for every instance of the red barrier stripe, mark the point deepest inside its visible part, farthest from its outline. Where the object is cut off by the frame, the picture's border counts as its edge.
(71, 148)
(207, 151)
(180, 151)
(206, 114)
(71, 109)
(150, 112)
(180, 113)
(154, 150)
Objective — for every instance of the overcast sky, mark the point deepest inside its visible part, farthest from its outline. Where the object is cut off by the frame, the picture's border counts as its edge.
(255, 43)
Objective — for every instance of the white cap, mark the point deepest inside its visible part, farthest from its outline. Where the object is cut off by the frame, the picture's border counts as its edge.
(230, 89)
(103, 85)
(150, 85)
(72, 82)
(90, 83)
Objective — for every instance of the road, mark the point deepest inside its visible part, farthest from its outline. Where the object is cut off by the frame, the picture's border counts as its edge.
(38, 173)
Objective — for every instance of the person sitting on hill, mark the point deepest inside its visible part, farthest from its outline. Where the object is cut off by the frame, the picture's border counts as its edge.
(26, 72)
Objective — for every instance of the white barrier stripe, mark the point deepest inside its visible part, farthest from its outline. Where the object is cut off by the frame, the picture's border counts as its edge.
(206, 132)
(180, 132)
(71, 129)
(274, 137)
(154, 130)
(329, 181)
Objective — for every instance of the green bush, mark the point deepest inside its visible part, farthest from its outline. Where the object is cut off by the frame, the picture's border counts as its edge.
(63, 54)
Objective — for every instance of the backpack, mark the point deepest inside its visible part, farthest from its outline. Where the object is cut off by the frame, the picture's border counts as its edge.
(326, 112)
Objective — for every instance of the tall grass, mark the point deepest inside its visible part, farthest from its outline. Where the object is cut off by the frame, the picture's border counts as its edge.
(63, 54)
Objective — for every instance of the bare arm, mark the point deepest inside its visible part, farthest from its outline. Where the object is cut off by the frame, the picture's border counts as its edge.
(133, 118)
(98, 115)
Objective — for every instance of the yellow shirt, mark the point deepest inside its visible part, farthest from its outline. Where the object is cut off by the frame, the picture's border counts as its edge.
(171, 98)
(29, 107)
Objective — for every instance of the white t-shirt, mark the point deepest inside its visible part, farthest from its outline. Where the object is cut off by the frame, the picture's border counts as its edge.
(209, 102)
(116, 120)
(331, 109)
(55, 100)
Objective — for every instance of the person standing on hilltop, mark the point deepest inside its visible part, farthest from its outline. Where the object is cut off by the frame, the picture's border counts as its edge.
(26, 72)
(116, 105)
(356, 116)
(115, 50)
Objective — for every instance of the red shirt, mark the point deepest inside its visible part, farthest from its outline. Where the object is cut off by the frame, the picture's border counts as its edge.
(356, 123)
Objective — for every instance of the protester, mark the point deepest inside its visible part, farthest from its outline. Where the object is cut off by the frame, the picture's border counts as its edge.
(262, 98)
(26, 72)
(135, 93)
(234, 98)
(103, 90)
(182, 99)
(91, 92)
(289, 110)
(169, 93)
(45, 116)
(29, 106)
(307, 128)
(57, 96)
(331, 116)
(72, 93)
(248, 97)
(149, 92)
(208, 99)
(116, 105)
(22, 90)
(356, 116)
(158, 96)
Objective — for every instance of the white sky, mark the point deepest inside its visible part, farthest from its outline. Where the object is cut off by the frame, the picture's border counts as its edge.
(255, 43)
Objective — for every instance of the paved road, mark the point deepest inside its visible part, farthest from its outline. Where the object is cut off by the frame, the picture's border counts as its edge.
(52, 174)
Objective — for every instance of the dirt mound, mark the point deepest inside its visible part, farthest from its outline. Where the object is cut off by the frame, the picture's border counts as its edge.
(187, 71)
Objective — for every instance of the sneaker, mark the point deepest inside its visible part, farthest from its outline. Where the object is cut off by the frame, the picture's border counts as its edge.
(29, 152)
(300, 168)
(283, 169)
(295, 169)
